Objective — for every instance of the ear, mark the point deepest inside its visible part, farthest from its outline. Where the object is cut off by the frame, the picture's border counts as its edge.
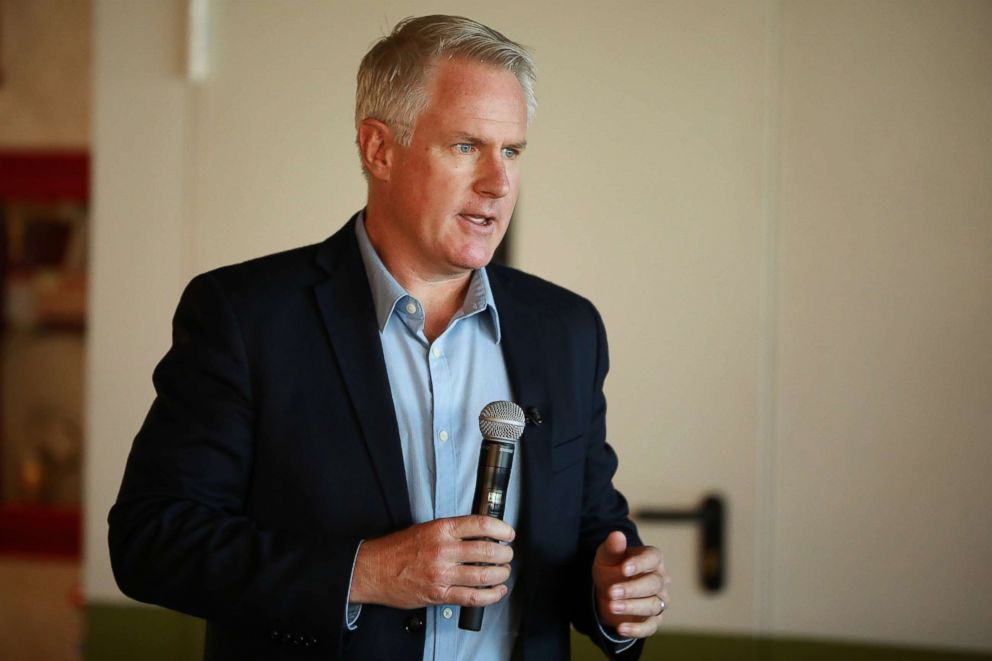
(376, 145)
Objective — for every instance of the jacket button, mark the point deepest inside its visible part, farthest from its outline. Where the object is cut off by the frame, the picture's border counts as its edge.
(413, 624)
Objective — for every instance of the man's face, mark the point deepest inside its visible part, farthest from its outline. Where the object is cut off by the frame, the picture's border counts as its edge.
(452, 191)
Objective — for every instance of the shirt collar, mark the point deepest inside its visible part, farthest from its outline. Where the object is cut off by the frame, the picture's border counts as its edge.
(387, 292)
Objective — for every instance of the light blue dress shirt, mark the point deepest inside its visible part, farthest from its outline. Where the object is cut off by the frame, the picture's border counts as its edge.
(438, 390)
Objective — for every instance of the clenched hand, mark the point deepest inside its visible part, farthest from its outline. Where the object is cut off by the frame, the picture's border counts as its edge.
(430, 563)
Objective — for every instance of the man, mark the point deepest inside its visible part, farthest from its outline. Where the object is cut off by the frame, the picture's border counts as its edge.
(303, 477)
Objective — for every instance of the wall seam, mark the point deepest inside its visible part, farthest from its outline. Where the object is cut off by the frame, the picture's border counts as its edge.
(766, 445)
(187, 240)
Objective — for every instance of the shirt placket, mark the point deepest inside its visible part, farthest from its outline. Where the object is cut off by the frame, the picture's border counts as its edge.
(446, 476)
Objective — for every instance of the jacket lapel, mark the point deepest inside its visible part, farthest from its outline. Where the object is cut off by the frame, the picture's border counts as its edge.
(345, 303)
(526, 351)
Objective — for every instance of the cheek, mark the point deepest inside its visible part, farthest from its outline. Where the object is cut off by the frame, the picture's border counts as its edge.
(438, 179)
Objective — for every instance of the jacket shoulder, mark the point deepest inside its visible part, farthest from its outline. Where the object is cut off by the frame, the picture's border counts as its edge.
(531, 290)
(275, 270)
(280, 274)
(272, 279)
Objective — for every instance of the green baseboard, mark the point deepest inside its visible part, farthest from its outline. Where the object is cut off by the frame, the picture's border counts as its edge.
(125, 633)
(698, 647)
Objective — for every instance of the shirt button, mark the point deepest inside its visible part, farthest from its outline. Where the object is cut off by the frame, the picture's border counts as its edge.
(436, 352)
(411, 308)
(447, 613)
(443, 435)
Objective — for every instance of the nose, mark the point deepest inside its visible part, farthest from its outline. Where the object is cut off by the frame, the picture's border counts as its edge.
(492, 179)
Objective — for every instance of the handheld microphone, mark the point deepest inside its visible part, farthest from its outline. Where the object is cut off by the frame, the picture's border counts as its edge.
(501, 424)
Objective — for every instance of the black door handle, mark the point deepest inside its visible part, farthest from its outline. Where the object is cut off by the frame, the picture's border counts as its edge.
(711, 517)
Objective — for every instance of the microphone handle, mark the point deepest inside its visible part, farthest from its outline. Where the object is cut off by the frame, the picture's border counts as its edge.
(491, 484)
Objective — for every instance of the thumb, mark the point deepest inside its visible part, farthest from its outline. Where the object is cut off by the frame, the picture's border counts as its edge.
(613, 549)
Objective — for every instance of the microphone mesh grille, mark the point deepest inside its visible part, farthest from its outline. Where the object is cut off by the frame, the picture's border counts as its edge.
(502, 421)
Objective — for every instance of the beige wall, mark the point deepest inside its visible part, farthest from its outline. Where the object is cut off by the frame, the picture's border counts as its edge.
(781, 209)
(139, 212)
(45, 56)
(884, 381)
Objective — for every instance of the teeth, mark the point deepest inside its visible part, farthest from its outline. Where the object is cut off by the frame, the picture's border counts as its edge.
(477, 220)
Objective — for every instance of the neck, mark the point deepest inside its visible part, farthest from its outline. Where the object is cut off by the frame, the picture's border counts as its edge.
(441, 295)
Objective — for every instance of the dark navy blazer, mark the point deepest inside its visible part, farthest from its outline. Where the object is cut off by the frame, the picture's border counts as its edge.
(272, 448)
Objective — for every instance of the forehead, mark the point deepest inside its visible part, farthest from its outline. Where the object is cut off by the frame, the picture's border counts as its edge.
(464, 92)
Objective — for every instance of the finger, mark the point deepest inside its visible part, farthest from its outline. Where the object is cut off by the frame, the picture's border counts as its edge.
(475, 576)
(639, 629)
(483, 551)
(474, 526)
(477, 550)
(462, 596)
(642, 560)
(645, 607)
(645, 585)
(613, 549)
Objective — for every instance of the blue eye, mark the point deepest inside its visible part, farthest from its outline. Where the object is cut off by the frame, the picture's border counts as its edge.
(463, 148)
(510, 153)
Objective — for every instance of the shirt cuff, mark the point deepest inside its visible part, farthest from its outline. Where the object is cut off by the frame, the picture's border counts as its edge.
(621, 643)
(352, 611)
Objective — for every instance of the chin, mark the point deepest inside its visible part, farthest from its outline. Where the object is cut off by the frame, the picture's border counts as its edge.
(475, 260)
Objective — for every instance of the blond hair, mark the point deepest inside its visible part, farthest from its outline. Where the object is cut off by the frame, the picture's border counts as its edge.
(392, 78)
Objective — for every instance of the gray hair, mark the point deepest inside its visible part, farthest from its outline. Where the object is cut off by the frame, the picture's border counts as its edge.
(393, 74)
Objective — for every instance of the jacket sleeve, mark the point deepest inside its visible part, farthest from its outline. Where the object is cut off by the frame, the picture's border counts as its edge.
(604, 509)
(180, 536)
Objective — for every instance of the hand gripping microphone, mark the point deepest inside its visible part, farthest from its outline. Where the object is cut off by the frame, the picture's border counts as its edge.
(501, 424)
